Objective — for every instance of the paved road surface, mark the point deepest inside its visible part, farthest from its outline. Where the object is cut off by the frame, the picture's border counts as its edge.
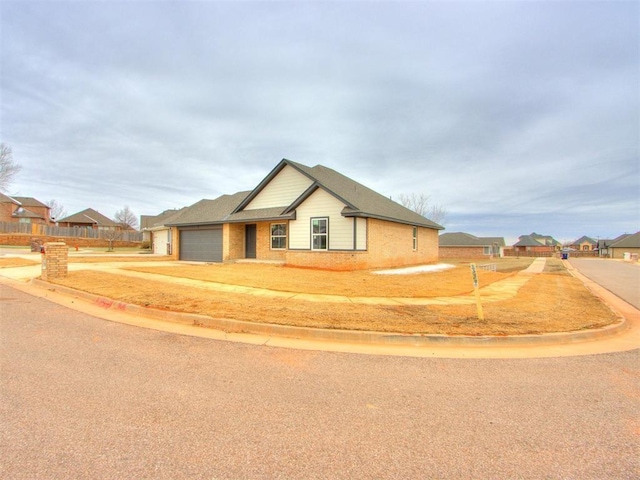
(621, 278)
(82, 397)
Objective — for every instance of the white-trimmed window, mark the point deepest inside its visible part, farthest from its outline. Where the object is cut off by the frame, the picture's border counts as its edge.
(486, 250)
(319, 237)
(278, 236)
(415, 238)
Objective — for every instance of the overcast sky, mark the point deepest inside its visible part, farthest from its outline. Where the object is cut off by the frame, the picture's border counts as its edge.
(516, 116)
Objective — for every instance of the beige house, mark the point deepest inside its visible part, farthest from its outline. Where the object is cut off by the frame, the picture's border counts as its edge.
(308, 217)
(626, 248)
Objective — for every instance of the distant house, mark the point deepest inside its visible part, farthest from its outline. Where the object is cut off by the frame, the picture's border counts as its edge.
(465, 245)
(584, 244)
(23, 210)
(156, 233)
(534, 243)
(626, 247)
(89, 218)
(604, 245)
(308, 217)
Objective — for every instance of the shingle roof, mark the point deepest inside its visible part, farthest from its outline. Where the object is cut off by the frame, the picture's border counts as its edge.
(584, 239)
(24, 213)
(89, 215)
(629, 241)
(150, 221)
(528, 241)
(207, 212)
(461, 239)
(30, 202)
(361, 201)
(547, 240)
(7, 199)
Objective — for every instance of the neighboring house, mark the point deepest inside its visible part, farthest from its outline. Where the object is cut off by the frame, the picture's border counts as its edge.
(584, 244)
(89, 218)
(154, 231)
(465, 245)
(536, 244)
(604, 245)
(308, 217)
(626, 247)
(23, 210)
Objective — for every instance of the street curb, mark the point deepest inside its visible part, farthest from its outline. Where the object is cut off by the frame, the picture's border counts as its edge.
(342, 336)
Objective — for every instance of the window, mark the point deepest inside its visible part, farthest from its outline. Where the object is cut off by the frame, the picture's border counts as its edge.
(319, 228)
(486, 250)
(415, 238)
(278, 236)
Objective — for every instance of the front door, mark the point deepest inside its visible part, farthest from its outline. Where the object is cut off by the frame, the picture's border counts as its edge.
(250, 241)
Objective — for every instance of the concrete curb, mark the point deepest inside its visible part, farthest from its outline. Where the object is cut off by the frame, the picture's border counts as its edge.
(341, 336)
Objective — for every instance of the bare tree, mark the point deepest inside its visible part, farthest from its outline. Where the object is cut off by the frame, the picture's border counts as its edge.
(419, 203)
(57, 210)
(126, 218)
(111, 235)
(8, 168)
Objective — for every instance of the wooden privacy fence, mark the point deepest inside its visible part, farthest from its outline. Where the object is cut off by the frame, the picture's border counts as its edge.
(76, 232)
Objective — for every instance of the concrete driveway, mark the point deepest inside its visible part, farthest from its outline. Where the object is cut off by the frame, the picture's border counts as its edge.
(81, 397)
(620, 278)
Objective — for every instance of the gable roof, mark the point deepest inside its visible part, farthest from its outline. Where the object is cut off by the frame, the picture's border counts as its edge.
(89, 215)
(207, 212)
(461, 239)
(584, 239)
(629, 241)
(360, 201)
(7, 199)
(547, 240)
(528, 241)
(30, 202)
(151, 221)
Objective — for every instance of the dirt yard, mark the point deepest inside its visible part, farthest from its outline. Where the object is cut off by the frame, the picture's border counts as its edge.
(552, 301)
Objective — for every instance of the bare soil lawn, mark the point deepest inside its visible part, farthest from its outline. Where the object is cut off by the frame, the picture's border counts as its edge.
(552, 301)
(10, 262)
(115, 258)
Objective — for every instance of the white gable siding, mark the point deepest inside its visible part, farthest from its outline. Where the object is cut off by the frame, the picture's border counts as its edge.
(282, 190)
(321, 204)
(361, 234)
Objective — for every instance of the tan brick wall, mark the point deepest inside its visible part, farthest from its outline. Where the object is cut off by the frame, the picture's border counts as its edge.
(389, 245)
(619, 252)
(462, 252)
(55, 260)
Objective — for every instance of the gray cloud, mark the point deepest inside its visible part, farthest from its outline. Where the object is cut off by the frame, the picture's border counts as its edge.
(508, 113)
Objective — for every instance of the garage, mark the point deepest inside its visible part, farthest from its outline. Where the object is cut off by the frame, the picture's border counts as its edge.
(201, 245)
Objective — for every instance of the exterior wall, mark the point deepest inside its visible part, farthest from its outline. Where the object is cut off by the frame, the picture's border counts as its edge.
(282, 190)
(390, 245)
(263, 243)
(233, 241)
(361, 233)
(6, 212)
(584, 246)
(620, 251)
(321, 204)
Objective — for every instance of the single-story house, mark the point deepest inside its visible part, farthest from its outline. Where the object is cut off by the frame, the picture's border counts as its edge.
(628, 245)
(89, 218)
(584, 244)
(23, 210)
(307, 217)
(536, 244)
(605, 243)
(465, 245)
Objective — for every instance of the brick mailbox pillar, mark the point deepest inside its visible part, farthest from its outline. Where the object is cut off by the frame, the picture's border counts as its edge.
(54, 260)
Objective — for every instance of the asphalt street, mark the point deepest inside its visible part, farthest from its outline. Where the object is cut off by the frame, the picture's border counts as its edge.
(81, 397)
(621, 278)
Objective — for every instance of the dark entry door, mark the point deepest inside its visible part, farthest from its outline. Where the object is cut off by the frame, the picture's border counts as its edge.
(250, 241)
